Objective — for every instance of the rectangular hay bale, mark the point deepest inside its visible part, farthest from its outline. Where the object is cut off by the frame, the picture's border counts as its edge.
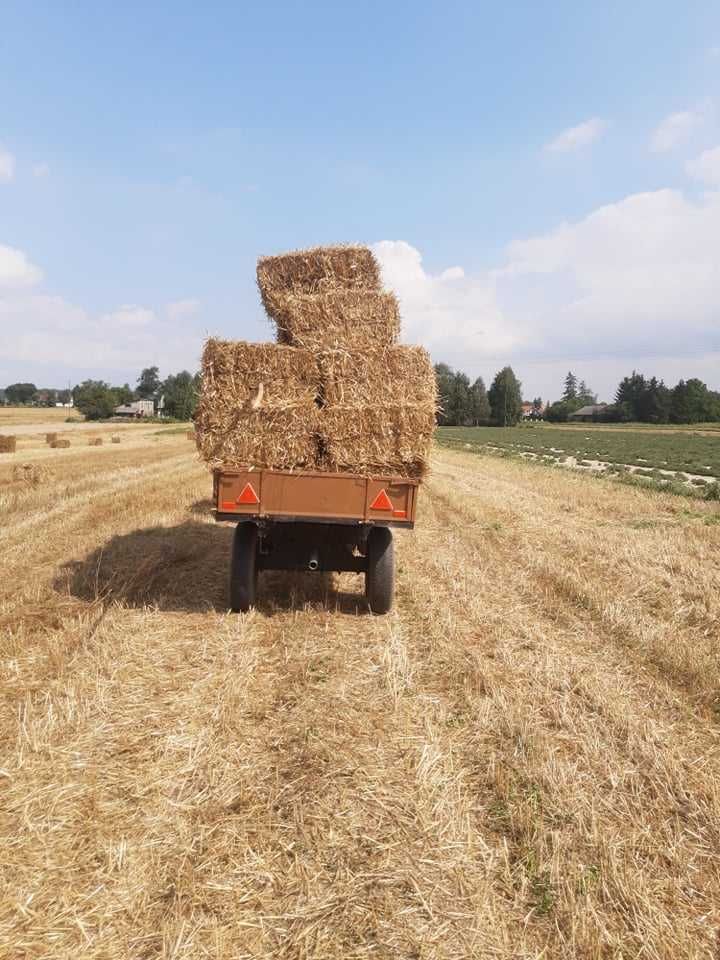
(379, 410)
(60, 444)
(317, 269)
(353, 319)
(95, 442)
(49, 437)
(8, 443)
(258, 406)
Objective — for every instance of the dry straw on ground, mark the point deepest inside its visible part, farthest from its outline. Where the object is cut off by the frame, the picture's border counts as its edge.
(60, 444)
(355, 318)
(378, 410)
(257, 405)
(8, 443)
(521, 762)
(31, 474)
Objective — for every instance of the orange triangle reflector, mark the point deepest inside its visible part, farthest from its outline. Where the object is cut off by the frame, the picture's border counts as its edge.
(381, 502)
(248, 495)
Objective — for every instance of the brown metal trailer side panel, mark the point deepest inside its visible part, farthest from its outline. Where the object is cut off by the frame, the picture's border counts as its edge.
(274, 493)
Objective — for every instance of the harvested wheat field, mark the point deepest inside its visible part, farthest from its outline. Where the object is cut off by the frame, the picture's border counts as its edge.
(522, 761)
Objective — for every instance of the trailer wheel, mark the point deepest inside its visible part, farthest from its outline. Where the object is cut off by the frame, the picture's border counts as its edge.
(243, 568)
(380, 575)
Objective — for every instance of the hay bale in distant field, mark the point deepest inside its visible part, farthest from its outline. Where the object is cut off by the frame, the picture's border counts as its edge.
(257, 405)
(95, 442)
(60, 444)
(378, 410)
(115, 439)
(8, 443)
(349, 319)
(316, 269)
(190, 435)
(49, 437)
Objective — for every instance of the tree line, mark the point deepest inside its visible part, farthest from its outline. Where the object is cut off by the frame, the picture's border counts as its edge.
(637, 399)
(466, 404)
(97, 399)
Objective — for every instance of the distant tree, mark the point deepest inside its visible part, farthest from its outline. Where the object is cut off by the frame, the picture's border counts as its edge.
(570, 391)
(181, 393)
(64, 396)
(505, 396)
(20, 392)
(537, 406)
(124, 394)
(95, 398)
(628, 394)
(479, 403)
(444, 376)
(585, 396)
(654, 402)
(691, 402)
(148, 383)
(559, 411)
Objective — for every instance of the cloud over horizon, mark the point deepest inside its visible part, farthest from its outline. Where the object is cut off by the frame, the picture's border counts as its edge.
(634, 283)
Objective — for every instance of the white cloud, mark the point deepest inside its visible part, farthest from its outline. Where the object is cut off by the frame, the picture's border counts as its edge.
(40, 170)
(635, 283)
(182, 308)
(128, 316)
(677, 128)
(7, 166)
(16, 270)
(706, 167)
(447, 312)
(42, 333)
(575, 137)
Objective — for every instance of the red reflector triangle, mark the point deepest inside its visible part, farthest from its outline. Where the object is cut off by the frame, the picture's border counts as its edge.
(248, 495)
(381, 502)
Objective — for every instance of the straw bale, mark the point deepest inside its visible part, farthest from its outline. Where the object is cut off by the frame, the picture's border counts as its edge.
(8, 443)
(115, 439)
(314, 270)
(378, 410)
(60, 444)
(49, 437)
(95, 442)
(258, 405)
(355, 318)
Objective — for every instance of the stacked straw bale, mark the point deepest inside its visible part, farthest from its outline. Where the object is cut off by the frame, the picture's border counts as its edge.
(257, 405)
(355, 318)
(95, 442)
(60, 444)
(336, 392)
(49, 437)
(379, 410)
(8, 443)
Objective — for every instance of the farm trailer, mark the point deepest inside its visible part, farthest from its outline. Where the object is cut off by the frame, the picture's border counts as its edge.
(313, 521)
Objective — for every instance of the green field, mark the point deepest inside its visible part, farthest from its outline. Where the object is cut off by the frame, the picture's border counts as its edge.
(683, 451)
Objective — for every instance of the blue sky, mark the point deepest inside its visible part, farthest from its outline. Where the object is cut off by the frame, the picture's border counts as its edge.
(149, 154)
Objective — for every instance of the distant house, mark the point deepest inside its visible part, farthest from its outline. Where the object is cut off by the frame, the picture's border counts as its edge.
(138, 408)
(589, 413)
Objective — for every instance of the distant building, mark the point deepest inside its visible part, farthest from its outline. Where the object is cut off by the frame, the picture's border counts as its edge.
(589, 413)
(138, 408)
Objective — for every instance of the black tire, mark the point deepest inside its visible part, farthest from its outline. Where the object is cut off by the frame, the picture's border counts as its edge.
(243, 568)
(380, 575)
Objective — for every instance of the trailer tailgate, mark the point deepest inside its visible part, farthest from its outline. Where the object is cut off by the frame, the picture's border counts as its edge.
(338, 497)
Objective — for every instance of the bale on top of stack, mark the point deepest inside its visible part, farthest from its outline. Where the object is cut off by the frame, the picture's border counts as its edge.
(336, 392)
